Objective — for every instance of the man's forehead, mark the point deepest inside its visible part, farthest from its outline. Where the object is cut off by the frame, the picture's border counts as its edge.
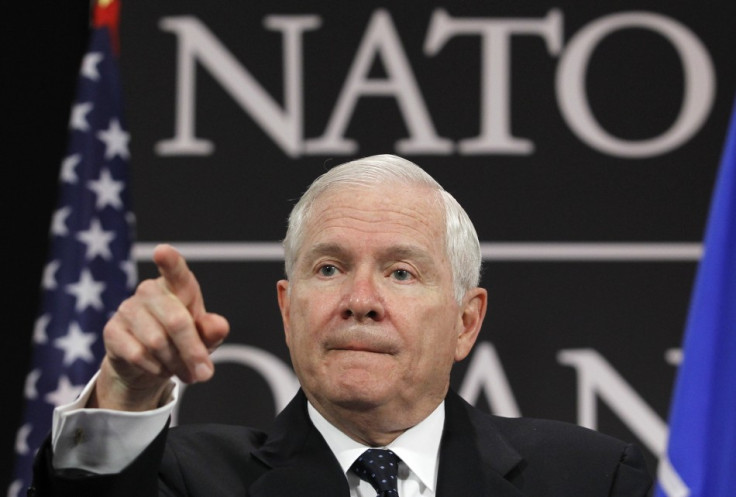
(378, 214)
(412, 200)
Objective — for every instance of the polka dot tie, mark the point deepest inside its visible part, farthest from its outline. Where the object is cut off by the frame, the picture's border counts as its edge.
(380, 468)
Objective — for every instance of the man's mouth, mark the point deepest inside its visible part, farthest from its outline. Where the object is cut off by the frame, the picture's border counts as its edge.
(368, 343)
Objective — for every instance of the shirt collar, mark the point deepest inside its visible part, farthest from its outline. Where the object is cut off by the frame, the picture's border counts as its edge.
(418, 447)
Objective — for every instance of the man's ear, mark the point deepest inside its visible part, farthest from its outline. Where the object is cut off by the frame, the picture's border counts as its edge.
(282, 291)
(471, 319)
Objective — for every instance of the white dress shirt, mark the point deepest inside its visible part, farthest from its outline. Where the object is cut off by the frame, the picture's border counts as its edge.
(418, 448)
(105, 441)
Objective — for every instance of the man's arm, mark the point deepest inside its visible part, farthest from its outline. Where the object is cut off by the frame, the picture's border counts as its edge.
(139, 478)
(161, 331)
(103, 441)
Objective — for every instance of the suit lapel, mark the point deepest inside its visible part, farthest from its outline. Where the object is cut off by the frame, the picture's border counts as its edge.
(300, 460)
(475, 460)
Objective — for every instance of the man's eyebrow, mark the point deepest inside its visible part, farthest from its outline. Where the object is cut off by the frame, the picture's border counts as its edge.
(407, 252)
(396, 252)
(322, 249)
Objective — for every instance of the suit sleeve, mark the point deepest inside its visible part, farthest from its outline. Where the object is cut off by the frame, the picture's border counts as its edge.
(632, 478)
(140, 478)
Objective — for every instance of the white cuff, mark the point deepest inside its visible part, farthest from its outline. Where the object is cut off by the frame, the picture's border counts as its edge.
(104, 441)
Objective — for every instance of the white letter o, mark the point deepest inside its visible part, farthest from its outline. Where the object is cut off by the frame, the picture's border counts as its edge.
(699, 84)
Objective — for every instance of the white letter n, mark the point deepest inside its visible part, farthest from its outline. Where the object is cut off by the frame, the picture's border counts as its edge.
(197, 43)
(596, 377)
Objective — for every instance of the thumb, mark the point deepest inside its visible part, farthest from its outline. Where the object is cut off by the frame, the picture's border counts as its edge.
(213, 329)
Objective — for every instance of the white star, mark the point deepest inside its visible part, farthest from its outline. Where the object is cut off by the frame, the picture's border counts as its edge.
(21, 439)
(58, 221)
(15, 488)
(76, 344)
(89, 65)
(115, 139)
(97, 240)
(107, 190)
(78, 118)
(29, 389)
(87, 291)
(68, 175)
(65, 392)
(48, 282)
(39, 329)
(131, 273)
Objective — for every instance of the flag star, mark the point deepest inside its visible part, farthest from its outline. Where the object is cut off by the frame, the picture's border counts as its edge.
(15, 488)
(87, 291)
(131, 273)
(68, 175)
(29, 389)
(76, 344)
(89, 65)
(21, 439)
(115, 139)
(39, 329)
(97, 240)
(78, 118)
(65, 392)
(48, 281)
(107, 190)
(58, 221)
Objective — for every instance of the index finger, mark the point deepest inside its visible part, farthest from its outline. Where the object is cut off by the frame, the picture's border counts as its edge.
(178, 278)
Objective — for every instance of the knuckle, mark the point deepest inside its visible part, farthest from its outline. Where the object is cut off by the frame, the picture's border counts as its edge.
(148, 288)
(110, 332)
(136, 356)
(178, 323)
(126, 308)
(156, 342)
(197, 354)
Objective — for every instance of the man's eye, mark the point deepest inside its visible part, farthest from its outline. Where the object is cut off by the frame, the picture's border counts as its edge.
(328, 270)
(402, 274)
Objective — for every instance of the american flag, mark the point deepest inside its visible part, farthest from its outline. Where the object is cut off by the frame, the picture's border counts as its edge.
(89, 269)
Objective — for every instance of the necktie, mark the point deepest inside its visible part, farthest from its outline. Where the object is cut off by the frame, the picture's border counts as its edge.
(380, 468)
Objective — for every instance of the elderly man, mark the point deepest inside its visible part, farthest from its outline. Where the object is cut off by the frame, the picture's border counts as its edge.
(381, 298)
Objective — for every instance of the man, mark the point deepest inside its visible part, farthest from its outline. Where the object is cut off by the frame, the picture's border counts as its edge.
(381, 298)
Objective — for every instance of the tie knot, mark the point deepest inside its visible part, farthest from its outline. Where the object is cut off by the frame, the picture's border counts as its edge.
(380, 468)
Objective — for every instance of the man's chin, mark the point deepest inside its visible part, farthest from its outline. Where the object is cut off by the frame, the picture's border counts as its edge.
(358, 396)
(354, 385)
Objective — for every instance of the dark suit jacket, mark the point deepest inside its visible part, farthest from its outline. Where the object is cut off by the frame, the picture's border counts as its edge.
(480, 454)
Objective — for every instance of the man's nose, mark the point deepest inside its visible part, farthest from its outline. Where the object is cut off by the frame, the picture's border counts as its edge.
(363, 299)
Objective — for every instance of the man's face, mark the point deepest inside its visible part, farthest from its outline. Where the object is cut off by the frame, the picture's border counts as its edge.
(369, 313)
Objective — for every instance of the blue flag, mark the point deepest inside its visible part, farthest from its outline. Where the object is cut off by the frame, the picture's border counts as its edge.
(89, 269)
(700, 460)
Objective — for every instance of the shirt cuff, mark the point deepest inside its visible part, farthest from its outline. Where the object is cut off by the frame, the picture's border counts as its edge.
(104, 441)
